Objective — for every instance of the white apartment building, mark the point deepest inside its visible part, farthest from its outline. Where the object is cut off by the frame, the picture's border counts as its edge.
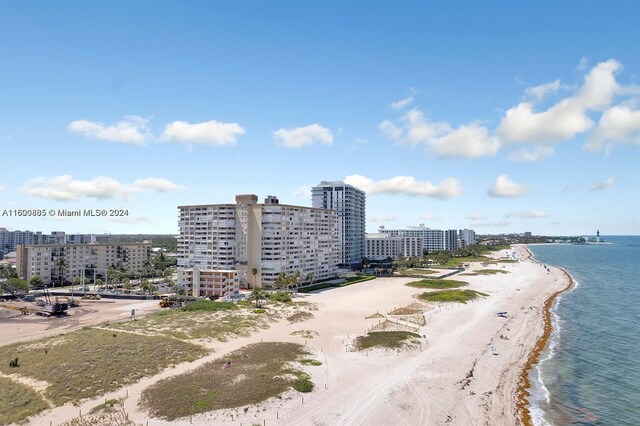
(259, 241)
(435, 239)
(44, 260)
(381, 246)
(211, 282)
(350, 203)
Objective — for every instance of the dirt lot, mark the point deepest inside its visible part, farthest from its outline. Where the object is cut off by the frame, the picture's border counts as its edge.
(15, 327)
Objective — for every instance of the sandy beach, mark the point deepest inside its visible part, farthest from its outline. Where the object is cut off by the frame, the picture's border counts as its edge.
(465, 372)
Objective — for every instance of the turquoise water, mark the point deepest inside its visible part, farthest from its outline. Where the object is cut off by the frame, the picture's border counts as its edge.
(590, 374)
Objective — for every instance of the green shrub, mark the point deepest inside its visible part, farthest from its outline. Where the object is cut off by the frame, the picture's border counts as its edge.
(437, 284)
(280, 296)
(208, 306)
(459, 296)
(259, 311)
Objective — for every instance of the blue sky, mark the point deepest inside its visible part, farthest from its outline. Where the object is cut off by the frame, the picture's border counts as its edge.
(493, 116)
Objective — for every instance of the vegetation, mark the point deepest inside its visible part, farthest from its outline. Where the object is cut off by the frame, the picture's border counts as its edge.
(300, 316)
(305, 334)
(437, 284)
(16, 285)
(460, 296)
(309, 361)
(415, 271)
(259, 311)
(256, 372)
(259, 295)
(348, 281)
(17, 402)
(90, 362)
(280, 296)
(486, 272)
(208, 306)
(7, 271)
(385, 339)
(36, 282)
(107, 405)
(412, 309)
(110, 413)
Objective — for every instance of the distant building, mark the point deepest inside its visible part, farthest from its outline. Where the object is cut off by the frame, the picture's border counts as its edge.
(45, 260)
(435, 239)
(350, 203)
(248, 237)
(382, 246)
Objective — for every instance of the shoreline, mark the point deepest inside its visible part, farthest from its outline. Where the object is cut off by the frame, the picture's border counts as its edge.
(524, 384)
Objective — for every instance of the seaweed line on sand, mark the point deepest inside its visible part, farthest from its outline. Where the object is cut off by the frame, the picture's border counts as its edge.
(522, 393)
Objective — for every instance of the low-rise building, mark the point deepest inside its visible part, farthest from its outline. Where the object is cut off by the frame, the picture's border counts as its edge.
(212, 282)
(60, 263)
(383, 246)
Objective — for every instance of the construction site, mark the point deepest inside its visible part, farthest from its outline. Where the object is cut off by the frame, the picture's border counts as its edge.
(42, 314)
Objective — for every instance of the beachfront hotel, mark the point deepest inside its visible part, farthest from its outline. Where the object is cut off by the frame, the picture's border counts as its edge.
(257, 240)
(88, 260)
(435, 239)
(350, 204)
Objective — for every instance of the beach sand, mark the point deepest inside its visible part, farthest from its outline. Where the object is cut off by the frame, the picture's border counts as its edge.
(463, 373)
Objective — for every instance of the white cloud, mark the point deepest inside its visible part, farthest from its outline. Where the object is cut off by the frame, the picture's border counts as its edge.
(533, 214)
(131, 129)
(619, 124)
(65, 188)
(383, 218)
(538, 92)
(468, 140)
(430, 216)
(504, 187)
(398, 105)
(566, 118)
(129, 219)
(205, 133)
(603, 185)
(582, 65)
(536, 153)
(302, 136)
(476, 216)
(406, 185)
(156, 184)
(303, 191)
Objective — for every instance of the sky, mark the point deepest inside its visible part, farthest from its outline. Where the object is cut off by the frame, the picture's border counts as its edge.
(496, 116)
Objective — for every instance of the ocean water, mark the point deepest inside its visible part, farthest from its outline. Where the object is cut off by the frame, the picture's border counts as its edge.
(590, 373)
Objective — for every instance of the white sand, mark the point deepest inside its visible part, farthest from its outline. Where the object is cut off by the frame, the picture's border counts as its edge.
(418, 387)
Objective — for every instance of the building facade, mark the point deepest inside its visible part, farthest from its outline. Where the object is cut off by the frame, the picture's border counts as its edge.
(382, 246)
(211, 282)
(435, 239)
(350, 204)
(58, 263)
(257, 240)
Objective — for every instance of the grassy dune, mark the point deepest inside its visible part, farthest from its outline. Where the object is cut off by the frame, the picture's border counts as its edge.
(459, 296)
(385, 339)
(17, 402)
(258, 372)
(437, 284)
(90, 362)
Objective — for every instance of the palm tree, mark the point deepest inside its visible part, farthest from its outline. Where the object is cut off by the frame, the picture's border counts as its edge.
(62, 267)
(113, 275)
(296, 279)
(254, 272)
(36, 282)
(281, 281)
(309, 278)
(258, 295)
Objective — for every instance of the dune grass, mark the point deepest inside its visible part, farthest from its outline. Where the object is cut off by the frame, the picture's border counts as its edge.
(486, 272)
(258, 372)
(415, 271)
(385, 339)
(459, 296)
(437, 284)
(412, 309)
(305, 334)
(300, 317)
(91, 362)
(17, 402)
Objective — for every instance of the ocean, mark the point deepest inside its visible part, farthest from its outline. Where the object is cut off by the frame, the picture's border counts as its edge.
(590, 372)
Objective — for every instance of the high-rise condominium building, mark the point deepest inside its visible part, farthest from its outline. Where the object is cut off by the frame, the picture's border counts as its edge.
(59, 263)
(382, 246)
(435, 239)
(259, 241)
(350, 203)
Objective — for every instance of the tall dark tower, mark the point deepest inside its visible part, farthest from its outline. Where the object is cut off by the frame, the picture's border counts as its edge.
(598, 233)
